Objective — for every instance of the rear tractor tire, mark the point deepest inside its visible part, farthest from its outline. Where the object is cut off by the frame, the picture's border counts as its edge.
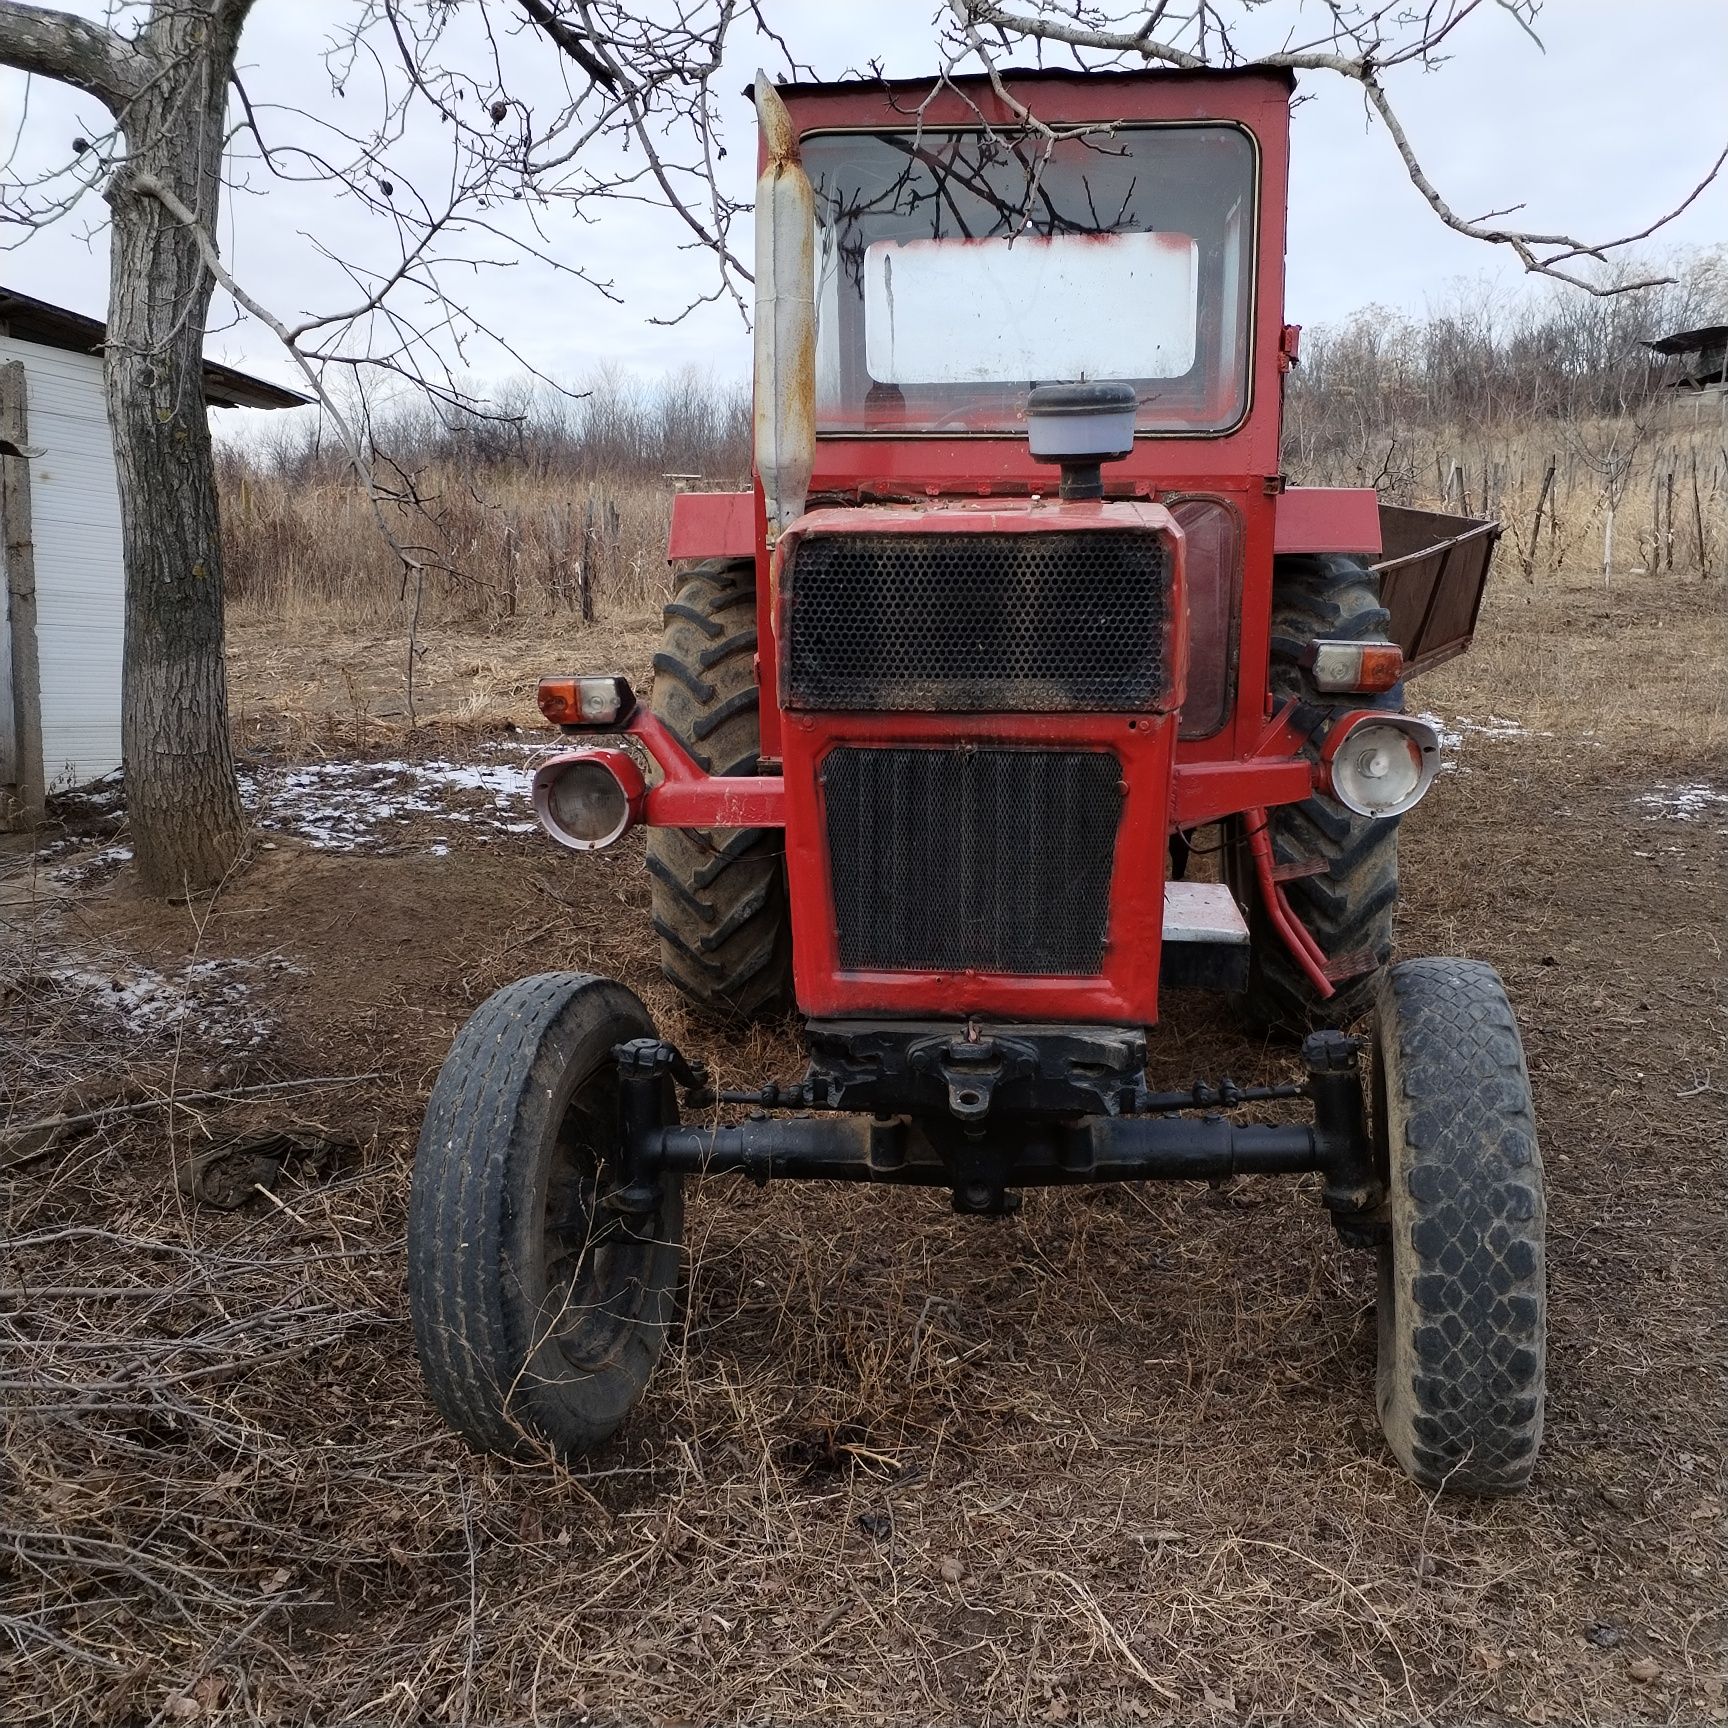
(1348, 905)
(540, 1300)
(1462, 1356)
(719, 894)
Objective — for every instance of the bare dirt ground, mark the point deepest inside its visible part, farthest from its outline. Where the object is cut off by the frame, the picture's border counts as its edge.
(1112, 1460)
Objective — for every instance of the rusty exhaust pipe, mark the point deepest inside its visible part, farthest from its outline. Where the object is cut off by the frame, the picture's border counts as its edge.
(785, 408)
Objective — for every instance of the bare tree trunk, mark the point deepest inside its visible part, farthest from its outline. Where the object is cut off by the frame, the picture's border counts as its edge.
(182, 798)
(167, 86)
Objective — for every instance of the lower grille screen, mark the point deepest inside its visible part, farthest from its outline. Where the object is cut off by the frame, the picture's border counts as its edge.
(972, 859)
(978, 623)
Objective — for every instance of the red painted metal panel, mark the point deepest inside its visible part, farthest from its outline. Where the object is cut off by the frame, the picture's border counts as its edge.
(767, 638)
(688, 797)
(914, 466)
(1127, 989)
(712, 525)
(1328, 519)
(1205, 791)
(1125, 992)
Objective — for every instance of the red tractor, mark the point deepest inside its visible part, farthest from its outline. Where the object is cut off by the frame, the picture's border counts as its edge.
(1019, 603)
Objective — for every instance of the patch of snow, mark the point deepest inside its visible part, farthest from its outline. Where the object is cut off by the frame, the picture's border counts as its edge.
(1453, 732)
(103, 793)
(1449, 740)
(523, 746)
(365, 806)
(1694, 802)
(211, 1000)
(102, 863)
(1495, 726)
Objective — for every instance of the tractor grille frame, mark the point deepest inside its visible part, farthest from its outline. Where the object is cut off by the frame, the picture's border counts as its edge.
(1060, 621)
(965, 857)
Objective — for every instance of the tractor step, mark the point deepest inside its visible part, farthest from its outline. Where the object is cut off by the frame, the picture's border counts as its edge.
(1205, 938)
(1356, 965)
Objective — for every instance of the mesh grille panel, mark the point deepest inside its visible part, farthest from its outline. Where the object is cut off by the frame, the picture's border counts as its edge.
(969, 623)
(994, 860)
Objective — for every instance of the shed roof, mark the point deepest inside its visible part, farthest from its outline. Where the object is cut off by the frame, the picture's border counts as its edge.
(1691, 341)
(32, 320)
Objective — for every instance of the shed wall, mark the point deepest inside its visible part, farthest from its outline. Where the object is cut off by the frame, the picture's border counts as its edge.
(80, 570)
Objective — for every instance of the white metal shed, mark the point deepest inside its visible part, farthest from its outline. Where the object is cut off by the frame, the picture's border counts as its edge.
(64, 588)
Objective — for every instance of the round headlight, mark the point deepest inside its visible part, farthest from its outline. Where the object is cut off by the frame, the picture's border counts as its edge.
(589, 801)
(1381, 766)
(588, 804)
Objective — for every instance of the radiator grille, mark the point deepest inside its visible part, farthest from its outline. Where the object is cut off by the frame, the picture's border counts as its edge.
(970, 623)
(991, 860)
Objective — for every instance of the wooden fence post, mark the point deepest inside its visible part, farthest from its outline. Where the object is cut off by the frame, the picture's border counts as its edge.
(20, 671)
(1698, 514)
(556, 545)
(614, 547)
(1668, 516)
(585, 567)
(1536, 522)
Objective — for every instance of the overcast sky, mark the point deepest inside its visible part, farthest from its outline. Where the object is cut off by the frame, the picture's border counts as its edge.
(1609, 127)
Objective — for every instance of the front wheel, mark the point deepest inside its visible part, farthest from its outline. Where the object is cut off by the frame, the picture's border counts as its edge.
(540, 1304)
(1463, 1298)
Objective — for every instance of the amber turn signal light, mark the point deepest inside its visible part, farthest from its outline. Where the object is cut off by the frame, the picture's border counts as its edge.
(1354, 666)
(586, 704)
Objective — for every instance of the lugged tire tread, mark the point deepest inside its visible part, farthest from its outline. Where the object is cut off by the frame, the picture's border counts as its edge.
(719, 895)
(670, 666)
(725, 709)
(1350, 909)
(1463, 1319)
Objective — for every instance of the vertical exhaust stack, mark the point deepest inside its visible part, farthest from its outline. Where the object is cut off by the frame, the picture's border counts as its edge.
(785, 429)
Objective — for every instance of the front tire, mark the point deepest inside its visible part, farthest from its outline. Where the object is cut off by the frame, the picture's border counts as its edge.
(538, 1310)
(1462, 1358)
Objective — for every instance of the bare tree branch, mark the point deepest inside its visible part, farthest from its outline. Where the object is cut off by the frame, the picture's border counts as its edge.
(1359, 41)
(357, 448)
(570, 40)
(71, 50)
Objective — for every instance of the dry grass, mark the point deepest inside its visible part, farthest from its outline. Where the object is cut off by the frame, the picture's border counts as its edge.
(508, 547)
(1637, 667)
(1663, 470)
(493, 548)
(1114, 1460)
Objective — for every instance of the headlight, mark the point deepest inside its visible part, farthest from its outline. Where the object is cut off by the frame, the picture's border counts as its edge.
(589, 800)
(1379, 764)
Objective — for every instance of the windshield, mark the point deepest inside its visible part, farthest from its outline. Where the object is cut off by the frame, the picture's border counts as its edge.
(956, 269)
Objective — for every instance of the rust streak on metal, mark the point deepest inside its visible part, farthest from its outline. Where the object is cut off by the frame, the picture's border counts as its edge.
(779, 137)
(785, 409)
